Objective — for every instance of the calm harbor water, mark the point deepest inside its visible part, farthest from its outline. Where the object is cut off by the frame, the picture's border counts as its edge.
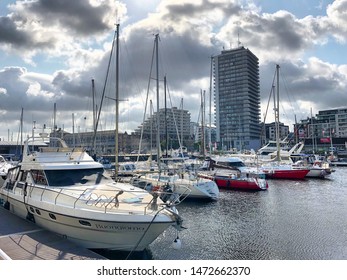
(292, 220)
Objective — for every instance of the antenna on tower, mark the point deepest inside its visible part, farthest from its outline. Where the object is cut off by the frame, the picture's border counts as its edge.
(238, 38)
(238, 34)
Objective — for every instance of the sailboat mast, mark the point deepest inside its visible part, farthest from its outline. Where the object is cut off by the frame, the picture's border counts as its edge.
(54, 118)
(117, 102)
(166, 132)
(104, 88)
(73, 131)
(277, 121)
(181, 127)
(158, 116)
(21, 130)
(94, 117)
(202, 123)
(151, 124)
(210, 114)
(313, 135)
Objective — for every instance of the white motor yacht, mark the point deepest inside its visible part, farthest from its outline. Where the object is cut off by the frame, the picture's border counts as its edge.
(271, 147)
(64, 190)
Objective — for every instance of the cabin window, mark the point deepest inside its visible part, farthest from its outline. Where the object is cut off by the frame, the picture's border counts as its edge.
(22, 179)
(39, 177)
(23, 176)
(12, 176)
(85, 177)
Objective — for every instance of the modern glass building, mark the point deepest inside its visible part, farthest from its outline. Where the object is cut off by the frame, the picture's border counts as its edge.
(237, 99)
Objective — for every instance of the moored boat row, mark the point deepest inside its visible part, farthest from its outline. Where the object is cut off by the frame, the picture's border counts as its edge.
(64, 190)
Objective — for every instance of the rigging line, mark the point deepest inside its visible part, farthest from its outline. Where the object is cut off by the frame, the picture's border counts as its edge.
(161, 55)
(285, 83)
(145, 232)
(283, 108)
(289, 98)
(146, 104)
(131, 63)
(104, 88)
(131, 70)
(268, 102)
(174, 118)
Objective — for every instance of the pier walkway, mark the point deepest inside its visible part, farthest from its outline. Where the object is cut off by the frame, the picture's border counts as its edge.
(23, 240)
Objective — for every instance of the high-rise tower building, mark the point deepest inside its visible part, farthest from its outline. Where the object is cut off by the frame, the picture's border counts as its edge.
(237, 99)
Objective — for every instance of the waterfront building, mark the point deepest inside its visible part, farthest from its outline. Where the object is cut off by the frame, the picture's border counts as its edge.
(104, 141)
(326, 129)
(237, 99)
(336, 120)
(270, 131)
(174, 125)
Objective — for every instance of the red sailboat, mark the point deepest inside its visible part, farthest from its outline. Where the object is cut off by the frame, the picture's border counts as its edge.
(276, 169)
(233, 174)
(284, 172)
(226, 181)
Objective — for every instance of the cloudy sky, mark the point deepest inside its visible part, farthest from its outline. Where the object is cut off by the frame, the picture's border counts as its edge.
(51, 50)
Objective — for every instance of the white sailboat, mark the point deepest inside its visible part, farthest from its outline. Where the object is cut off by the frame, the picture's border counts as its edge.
(182, 183)
(277, 169)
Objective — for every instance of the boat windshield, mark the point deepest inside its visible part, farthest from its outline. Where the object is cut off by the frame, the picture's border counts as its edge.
(231, 163)
(81, 177)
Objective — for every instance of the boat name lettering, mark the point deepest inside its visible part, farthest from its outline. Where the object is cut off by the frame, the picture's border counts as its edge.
(120, 227)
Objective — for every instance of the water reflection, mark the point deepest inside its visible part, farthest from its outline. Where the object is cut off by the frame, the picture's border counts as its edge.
(292, 220)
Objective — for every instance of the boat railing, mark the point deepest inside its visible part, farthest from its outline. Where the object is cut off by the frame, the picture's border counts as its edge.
(60, 149)
(106, 200)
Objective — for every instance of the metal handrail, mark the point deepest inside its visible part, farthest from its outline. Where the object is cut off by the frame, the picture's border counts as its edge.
(81, 197)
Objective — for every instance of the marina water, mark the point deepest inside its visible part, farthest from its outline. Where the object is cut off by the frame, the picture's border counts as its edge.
(292, 220)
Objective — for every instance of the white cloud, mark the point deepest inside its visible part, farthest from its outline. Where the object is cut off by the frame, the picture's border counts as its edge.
(3, 91)
(77, 35)
(337, 16)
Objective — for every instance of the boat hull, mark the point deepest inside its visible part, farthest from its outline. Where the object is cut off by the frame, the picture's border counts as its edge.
(290, 174)
(201, 188)
(245, 184)
(318, 173)
(198, 189)
(239, 184)
(124, 235)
